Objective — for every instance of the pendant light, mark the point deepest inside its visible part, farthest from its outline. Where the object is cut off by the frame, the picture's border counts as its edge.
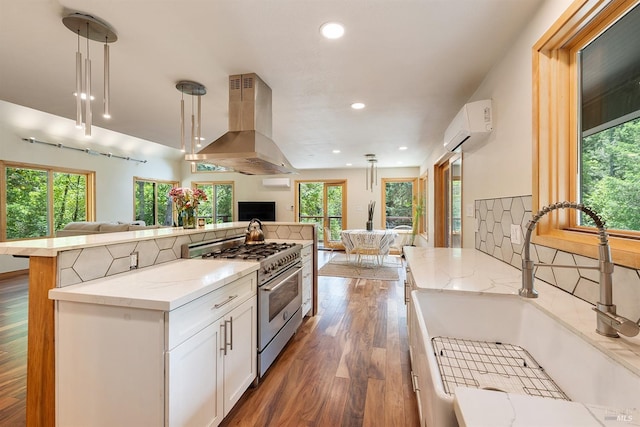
(371, 172)
(196, 90)
(90, 28)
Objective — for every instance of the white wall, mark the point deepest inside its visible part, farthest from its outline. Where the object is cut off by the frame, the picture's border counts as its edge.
(251, 188)
(114, 177)
(502, 166)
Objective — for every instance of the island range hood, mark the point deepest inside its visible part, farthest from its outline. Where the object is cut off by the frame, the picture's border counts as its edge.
(247, 147)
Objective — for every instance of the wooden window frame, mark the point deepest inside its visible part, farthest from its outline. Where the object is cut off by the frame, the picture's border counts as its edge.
(555, 130)
(383, 197)
(234, 214)
(90, 196)
(154, 181)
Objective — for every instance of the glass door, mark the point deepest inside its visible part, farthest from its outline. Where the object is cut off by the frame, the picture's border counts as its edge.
(448, 212)
(322, 203)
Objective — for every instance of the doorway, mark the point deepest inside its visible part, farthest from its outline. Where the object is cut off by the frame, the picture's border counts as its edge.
(448, 212)
(324, 204)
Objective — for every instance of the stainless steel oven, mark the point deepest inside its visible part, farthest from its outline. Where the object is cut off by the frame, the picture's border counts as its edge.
(279, 314)
(279, 288)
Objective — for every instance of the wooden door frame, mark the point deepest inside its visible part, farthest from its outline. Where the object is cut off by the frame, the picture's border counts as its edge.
(325, 182)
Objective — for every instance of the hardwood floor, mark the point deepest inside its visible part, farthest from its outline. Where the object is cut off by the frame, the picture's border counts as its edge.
(13, 351)
(347, 366)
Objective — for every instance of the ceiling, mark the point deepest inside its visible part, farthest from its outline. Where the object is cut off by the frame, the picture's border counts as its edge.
(414, 63)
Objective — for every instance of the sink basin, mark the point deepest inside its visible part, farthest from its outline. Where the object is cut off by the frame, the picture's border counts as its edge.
(581, 371)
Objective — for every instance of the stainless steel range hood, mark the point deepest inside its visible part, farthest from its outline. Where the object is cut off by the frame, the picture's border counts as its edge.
(247, 147)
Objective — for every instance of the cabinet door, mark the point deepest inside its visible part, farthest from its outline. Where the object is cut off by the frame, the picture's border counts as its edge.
(194, 380)
(307, 287)
(240, 364)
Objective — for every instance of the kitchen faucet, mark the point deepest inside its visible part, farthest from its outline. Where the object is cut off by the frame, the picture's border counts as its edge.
(608, 322)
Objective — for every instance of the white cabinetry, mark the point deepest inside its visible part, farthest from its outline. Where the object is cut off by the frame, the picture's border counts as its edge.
(417, 354)
(133, 367)
(307, 279)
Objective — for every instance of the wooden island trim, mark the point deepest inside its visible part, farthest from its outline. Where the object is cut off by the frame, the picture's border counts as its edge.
(41, 378)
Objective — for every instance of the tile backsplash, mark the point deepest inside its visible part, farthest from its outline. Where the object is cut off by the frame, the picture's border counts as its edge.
(81, 265)
(494, 219)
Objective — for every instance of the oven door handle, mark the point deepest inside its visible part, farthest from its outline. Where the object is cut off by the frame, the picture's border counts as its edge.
(282, 282)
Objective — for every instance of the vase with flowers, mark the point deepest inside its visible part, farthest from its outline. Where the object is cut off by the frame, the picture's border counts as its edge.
(186, 201)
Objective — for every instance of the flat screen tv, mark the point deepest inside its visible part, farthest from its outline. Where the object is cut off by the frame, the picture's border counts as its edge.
(264, 211)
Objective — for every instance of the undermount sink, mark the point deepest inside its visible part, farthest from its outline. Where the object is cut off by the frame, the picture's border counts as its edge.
(442, 322)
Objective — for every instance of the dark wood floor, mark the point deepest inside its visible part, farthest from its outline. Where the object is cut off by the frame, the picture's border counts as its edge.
(13, 351)
(347, 366)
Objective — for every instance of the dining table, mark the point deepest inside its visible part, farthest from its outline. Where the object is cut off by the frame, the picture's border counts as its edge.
(359, 238)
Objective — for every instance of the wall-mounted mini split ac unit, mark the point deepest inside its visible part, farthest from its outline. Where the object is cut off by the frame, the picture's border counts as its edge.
(472, 125)
(276, 182)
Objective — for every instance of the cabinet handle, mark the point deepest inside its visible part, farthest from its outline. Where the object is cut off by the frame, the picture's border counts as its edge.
(230, 333)
(231, 298)
(223, 327)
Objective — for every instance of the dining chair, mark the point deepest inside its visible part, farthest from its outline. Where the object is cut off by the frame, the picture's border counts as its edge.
(367, 245)
(402, 239)
(328, 245)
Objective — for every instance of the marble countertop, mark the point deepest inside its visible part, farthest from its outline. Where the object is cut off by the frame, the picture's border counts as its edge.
(484, 408)
(51, 247)
(162, 287)
(469, 270)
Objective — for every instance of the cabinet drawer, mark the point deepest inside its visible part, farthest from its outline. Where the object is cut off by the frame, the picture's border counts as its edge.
(186, 321)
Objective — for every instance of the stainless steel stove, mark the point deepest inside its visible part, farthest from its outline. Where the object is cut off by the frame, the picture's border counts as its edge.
(279, 288)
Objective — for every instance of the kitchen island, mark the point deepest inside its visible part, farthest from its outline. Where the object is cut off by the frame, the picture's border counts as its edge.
(70, 261)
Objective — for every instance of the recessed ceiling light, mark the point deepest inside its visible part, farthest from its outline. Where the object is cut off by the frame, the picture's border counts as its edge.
(332, 30)
(336, 151)
(357, 105)
(349, 164)
(402, 148)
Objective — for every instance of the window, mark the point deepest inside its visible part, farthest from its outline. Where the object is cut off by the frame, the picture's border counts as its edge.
(208, 167)
(323, 203)
(152, 203)
(39, 200)
(398, 197)
(609, 153)
(219, 205)
(421, 206)
(586, 127)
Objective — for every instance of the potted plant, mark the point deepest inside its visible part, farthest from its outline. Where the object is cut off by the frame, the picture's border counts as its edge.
(418, 211)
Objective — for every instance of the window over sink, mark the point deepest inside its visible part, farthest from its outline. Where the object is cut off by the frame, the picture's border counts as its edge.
(586, 111)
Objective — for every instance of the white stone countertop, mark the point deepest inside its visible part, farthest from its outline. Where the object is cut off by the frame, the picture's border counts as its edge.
(469, 270)
(51, 247)
(161, 287)
(484, 408)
